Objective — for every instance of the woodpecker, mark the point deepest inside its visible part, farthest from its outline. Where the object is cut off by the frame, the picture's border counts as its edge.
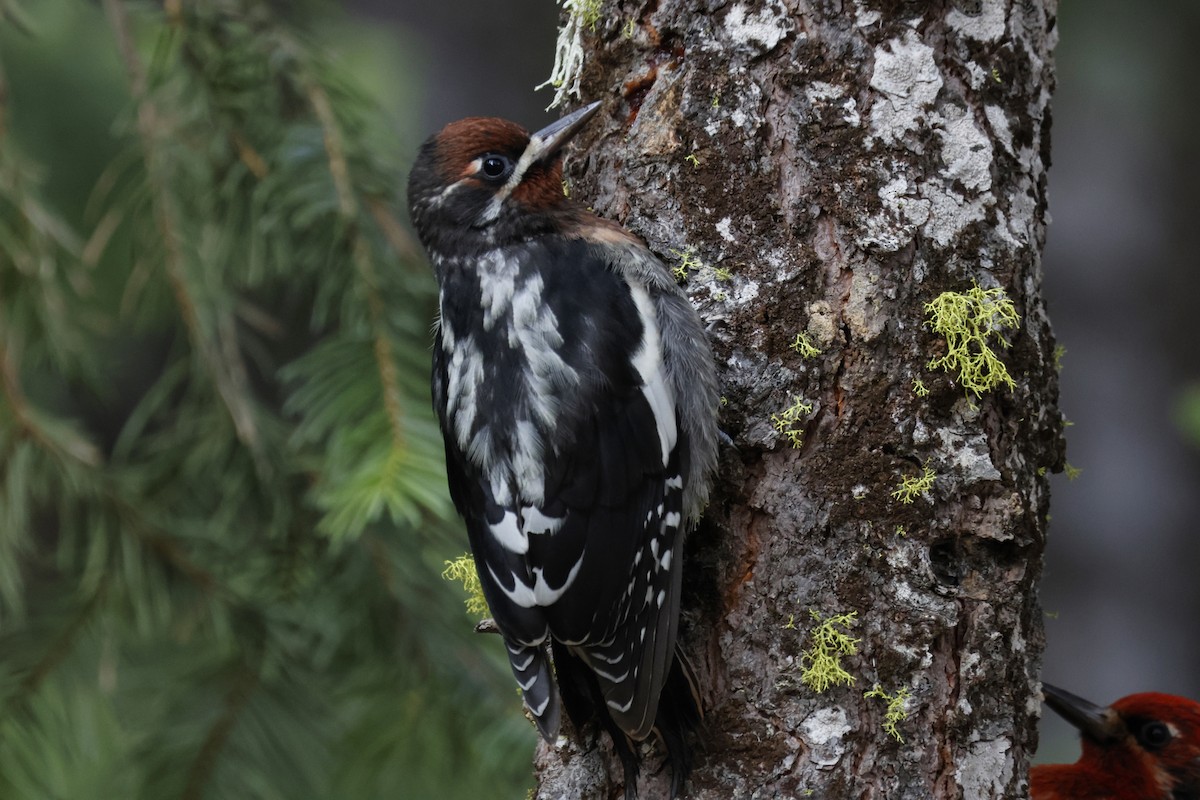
(1142, 747)
(577, 396)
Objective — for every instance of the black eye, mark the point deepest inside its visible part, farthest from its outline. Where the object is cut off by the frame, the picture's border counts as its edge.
(495, 166)
(1153, 735)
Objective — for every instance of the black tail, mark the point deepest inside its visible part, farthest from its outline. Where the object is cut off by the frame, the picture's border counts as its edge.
(679, 713)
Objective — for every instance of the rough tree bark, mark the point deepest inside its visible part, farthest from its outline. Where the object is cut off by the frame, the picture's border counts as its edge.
(827, 169)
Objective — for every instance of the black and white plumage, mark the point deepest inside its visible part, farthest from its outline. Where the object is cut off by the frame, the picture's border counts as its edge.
(577, 397)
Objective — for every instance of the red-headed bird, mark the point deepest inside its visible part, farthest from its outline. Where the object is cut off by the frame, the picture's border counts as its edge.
(577, 396)
(1142, 747)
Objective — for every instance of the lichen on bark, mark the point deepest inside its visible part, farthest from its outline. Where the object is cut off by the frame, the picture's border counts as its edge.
(842, 165)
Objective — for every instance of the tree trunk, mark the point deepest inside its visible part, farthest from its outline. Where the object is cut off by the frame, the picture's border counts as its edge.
(819, 173)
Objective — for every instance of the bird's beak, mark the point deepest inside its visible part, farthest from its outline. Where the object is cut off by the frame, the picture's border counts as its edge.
(550, 140)
(1099, 724)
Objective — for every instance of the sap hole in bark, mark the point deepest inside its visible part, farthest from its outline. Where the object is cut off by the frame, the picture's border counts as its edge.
(944, 561)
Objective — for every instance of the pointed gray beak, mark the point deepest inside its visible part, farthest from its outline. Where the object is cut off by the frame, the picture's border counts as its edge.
(1095, 722)
(551, 139)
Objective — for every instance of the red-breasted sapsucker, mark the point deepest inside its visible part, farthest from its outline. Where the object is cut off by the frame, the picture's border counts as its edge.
(577, 396)
(1142, 747)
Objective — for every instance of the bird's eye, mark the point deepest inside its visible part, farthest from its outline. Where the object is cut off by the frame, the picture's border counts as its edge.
(494, 166)
(1153, 735)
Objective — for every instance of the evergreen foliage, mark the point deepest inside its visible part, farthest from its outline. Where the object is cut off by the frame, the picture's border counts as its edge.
(222, 505)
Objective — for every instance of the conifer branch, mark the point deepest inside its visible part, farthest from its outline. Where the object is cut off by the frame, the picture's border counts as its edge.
(244, 683)
(400, 239)
(222, 358)
(339, 171)
(58, 651)
(63, 445)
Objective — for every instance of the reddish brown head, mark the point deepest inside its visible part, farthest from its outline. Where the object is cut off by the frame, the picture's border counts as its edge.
(1142, 747)
(488, 179)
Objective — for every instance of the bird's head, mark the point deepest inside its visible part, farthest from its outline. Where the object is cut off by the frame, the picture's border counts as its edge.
(1150, 734)
(482, 181)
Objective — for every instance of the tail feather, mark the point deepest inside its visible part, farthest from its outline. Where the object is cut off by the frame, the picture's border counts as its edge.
(679, 713)
(531, 668)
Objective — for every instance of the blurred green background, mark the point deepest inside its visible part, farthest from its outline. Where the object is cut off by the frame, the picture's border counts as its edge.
(222, 512)
(223, 518)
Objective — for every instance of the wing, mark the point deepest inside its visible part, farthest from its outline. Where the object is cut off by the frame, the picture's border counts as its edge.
(583, 544)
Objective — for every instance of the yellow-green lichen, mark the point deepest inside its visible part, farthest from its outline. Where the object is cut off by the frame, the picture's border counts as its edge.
(688, 262)
(628, 30)
(1072, 471)
(462, 569)
(969, 320)
(919, 388)
(911, 487)
(789, 422)
(829, 642)
(722, 273)
(692, 159)
(804, 346)
(588, 11)
(895, 713)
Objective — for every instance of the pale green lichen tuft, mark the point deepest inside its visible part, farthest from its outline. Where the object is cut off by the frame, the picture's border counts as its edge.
(790, 421)
(895, 713)
(692, 159)
(462, 569)
(910, 488)
(968, 321)
(919, 388)
(829, 642)
(1072, 471)
(568, 49)
(804, 346)
(688, 262)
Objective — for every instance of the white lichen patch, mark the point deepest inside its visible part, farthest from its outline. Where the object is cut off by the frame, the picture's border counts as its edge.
(998, 120)
(977, 75)
(821, 94)
(908, 80)
(762, 30)
(745, 292)
(903, 213)
(966, 150)
(951, 213)
(821, 325)
(864, 17)
(725, 228)
(964, 453)
(986, 768)
(986, 26)
(863, 311)
(823, 731)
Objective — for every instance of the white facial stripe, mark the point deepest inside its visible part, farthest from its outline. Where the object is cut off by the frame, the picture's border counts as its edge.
(441, 196)
(532, 151)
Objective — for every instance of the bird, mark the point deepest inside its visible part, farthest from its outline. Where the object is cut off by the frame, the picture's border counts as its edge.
(1143, 747)
(577, 397)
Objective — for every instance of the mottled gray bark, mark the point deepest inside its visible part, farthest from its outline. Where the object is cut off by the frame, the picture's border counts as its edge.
(830, 168)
